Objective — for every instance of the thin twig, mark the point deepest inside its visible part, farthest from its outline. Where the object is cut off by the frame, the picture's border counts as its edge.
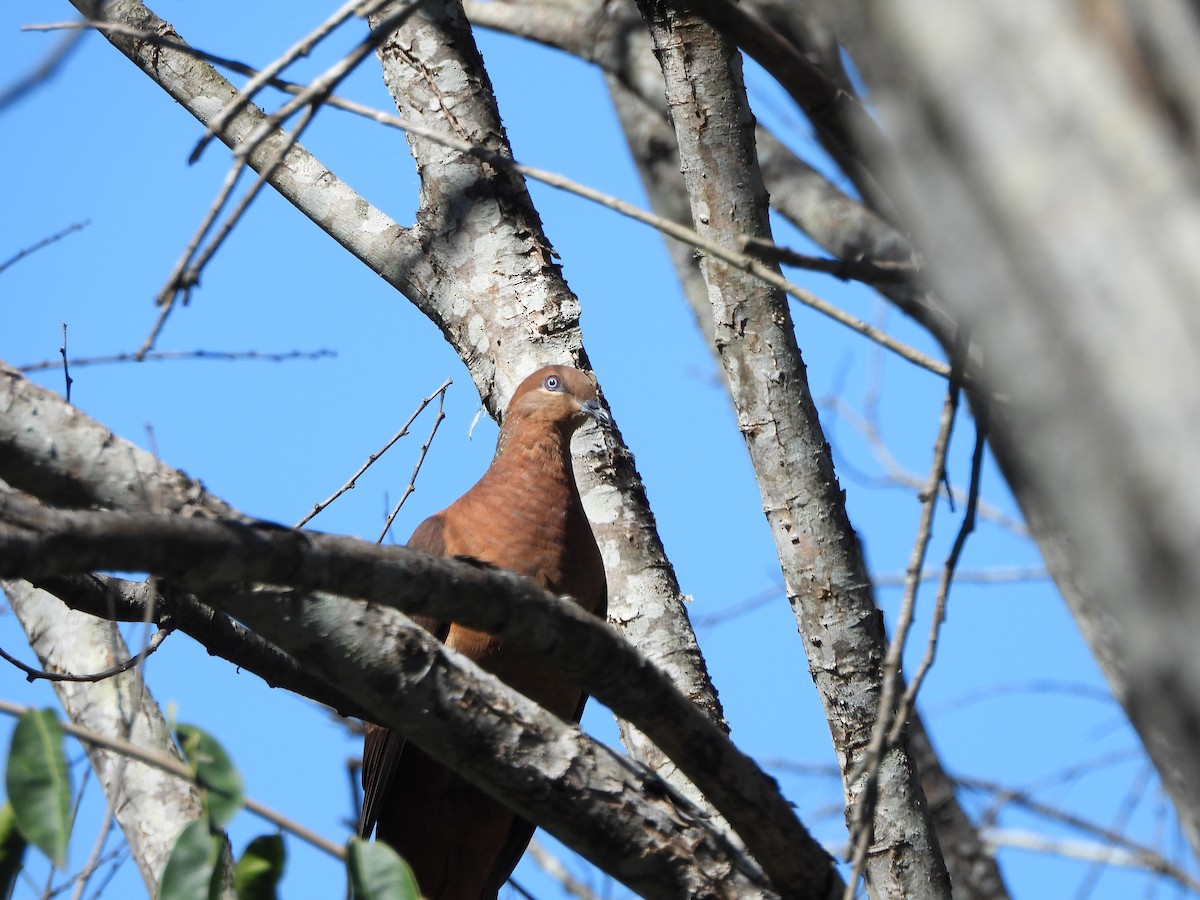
(177, 280)
(895, 475)
(65, 367)
(869, 271)
(267, 74)
(1064, 776)
(32, 674)
(44, 242)
(187, 272)
(290, 140)
(303, 832)
(165, 355)
(353, 480)
(516, 886)
(861, 829)
(998, 575)
(319, 90)
(999, 838)
(1133, 796)
(96, 857)
(412, 480)
(182, 770)
(41, 73)
(1025, 800)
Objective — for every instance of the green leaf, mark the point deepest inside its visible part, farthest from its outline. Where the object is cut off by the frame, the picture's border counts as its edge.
(12, 850)
(39, 787)
(215, 773)
(192, 866)
(378, 873)
(260, 868)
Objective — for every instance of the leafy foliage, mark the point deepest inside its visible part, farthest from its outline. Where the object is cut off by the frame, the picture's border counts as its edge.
(38, 784)
(378, 873)
(191, 870)
(12, 850)
(215, 772)
(260, 868)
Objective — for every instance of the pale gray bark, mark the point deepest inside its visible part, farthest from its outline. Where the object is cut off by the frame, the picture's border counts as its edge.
(480, 226)
(819, 552)
(150, 806)
(973, 870)
(1050, 177)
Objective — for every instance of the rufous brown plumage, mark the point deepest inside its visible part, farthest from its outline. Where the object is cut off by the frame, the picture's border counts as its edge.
(524, 514)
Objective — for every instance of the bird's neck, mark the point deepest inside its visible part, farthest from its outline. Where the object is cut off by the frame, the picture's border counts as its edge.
(534, 447)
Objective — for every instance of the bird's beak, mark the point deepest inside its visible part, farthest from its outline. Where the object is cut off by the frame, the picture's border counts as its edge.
(592, 409)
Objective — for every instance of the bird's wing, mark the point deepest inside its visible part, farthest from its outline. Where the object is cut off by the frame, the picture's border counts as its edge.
(382, 747)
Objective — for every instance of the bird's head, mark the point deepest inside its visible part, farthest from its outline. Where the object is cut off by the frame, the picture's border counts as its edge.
(560, 397)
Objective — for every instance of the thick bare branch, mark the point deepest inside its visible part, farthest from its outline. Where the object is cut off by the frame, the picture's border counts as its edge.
(1059, 215)
(818, 550)
(445, 704)
(474, 219)
(125, 601)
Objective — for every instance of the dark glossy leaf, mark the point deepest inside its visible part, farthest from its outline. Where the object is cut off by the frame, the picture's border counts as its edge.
(215, 773)
(12, 850)
(378, 873)
(38, 785)
(192, 865)
(260, 868)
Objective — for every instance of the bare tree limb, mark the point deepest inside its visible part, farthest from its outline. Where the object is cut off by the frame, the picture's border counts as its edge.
(1059, 217)
(123, 601)
(756, 340)
(438, 699)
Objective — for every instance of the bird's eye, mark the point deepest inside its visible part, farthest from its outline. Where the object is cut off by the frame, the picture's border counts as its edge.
(552, 383)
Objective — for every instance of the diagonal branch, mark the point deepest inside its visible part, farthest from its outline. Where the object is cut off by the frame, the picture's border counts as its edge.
(299, 177)
(204, 555)
(427, 697)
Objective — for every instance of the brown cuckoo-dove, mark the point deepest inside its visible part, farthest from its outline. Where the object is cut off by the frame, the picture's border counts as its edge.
(524, 514)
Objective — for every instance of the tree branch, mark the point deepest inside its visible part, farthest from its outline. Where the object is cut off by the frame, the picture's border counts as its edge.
(125, 601)
(211, 558)
(818, 550)
(427, 696)
(1086, 317)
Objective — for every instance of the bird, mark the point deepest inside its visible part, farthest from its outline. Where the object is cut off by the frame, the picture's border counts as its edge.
(525, 515)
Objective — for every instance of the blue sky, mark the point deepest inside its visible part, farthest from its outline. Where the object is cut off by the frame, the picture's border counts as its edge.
(100, 143)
